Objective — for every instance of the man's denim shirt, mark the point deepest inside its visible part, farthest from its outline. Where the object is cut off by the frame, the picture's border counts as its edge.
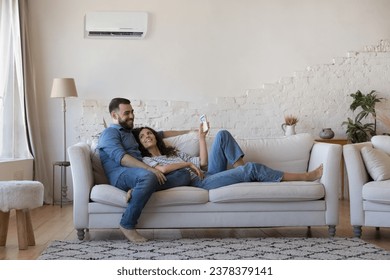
(114, 142)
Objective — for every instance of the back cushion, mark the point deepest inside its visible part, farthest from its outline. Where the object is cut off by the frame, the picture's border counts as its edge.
(381, 142)
(97, 168)
(290, 153)
(187, 143)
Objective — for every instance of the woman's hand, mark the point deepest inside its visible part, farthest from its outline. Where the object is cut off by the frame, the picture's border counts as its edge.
(203, 134)
(196, 170)
(160, 176)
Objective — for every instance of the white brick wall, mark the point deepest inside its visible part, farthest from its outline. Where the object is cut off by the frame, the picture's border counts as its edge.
(318, 96)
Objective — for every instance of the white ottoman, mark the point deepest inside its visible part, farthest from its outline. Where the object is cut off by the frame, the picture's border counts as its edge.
(21, 196)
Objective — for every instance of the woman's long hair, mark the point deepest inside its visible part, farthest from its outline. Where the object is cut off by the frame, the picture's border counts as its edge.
(164, 149)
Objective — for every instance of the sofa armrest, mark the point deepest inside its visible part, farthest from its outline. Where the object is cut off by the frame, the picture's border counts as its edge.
(330, 156)
(357, 177)
(82, 176)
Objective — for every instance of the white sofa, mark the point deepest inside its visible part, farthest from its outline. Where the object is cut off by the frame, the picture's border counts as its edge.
(98, 205)
(368, 168)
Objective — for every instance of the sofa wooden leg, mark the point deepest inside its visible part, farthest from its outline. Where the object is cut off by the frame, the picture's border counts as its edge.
(4, 221)
(357, 231)
(81, 234)
(332, 231)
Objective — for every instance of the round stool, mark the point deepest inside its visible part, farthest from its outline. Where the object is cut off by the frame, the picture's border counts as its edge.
(21, 196)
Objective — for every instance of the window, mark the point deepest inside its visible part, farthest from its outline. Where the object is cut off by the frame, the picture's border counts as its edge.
(13, 132)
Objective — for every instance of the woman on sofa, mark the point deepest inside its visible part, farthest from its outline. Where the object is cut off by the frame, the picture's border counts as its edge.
(210, 172)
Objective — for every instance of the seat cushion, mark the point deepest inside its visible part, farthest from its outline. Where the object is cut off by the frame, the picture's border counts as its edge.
(110, 195)
(253, 192)
(377, 191)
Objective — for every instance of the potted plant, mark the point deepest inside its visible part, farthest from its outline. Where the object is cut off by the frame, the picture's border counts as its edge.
(357, 131)
(289, 124)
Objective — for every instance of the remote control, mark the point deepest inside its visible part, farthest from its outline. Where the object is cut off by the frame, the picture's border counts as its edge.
(203, 120)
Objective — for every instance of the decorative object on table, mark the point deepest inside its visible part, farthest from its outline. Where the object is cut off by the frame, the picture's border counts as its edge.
(357, 131)
(63, 88)
(289, 124)
(327, 133)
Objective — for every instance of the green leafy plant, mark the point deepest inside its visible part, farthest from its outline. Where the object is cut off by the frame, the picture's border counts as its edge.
(357, 131)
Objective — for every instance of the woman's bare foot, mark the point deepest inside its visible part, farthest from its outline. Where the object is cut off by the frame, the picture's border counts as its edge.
(307, 176)
(315, 174)
(132, 235)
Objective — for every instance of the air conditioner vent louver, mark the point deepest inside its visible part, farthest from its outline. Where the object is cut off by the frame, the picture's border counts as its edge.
(131, 25)
(119, 34)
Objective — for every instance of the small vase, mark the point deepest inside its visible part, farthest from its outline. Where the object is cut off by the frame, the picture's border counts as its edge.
(326, 133)
(288, 129)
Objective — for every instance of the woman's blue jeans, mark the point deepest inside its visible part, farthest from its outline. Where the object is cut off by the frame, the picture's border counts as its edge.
(223, 152)
(250, 172)
(226, 151)
(143, 184)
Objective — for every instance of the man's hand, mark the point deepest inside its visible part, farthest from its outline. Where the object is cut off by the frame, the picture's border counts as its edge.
(160, 176)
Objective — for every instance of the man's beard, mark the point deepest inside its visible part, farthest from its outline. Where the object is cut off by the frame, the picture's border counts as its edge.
(125, 124)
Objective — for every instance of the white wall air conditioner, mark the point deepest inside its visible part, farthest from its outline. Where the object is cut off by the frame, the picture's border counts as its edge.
(131, 25)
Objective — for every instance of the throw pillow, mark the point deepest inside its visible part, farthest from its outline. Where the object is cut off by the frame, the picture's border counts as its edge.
(377, 163)
(97, 168)
(187, 143)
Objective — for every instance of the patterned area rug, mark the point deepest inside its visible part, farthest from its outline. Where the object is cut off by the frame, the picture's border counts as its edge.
(217, 249)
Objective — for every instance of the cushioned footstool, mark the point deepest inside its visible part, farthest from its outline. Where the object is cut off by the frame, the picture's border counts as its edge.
(21, 196)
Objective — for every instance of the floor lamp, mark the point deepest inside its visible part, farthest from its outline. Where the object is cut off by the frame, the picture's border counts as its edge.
(63, 88)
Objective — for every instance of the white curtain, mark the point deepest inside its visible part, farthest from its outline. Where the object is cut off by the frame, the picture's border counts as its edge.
(13, 130)
(20, 135)
(33, 124)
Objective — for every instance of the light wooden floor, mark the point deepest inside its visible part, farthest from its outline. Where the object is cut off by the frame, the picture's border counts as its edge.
(55, 223)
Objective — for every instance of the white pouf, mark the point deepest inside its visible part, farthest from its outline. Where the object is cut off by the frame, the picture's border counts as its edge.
(21, 196)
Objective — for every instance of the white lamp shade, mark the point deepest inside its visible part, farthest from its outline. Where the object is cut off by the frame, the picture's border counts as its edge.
(63, 87)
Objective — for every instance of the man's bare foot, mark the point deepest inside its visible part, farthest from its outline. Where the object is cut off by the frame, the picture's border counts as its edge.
(132, 235)
(315, 174)
(128, 196)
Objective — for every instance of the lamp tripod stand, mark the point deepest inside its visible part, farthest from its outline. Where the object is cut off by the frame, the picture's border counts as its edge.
(62, 88)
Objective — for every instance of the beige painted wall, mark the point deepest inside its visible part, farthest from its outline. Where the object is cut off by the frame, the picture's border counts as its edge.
(195, 50)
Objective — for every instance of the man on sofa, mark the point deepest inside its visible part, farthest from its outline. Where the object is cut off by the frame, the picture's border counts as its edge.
(122, 163)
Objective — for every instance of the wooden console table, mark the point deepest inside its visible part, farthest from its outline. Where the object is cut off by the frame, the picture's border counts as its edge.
(341, 142)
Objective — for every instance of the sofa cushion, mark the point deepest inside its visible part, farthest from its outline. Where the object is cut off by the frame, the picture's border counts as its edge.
(110, 195)
(97, 168)
(289, 153)
(187, 143)
(283, 191)
(107, 194)
(377, 163)
(381, 142)
(377, 191)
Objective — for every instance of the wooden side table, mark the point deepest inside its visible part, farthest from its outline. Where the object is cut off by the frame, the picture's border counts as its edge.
(341, 142)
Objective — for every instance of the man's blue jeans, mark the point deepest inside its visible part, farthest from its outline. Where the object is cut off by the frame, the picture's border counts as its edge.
(143, 184)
